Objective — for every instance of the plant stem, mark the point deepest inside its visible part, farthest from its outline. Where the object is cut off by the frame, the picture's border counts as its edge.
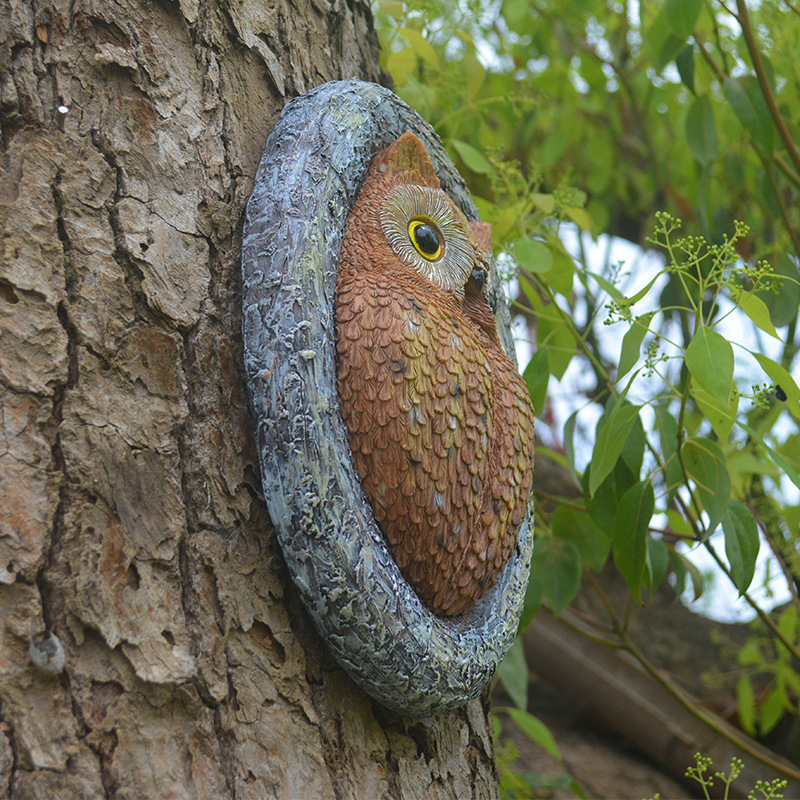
(766, 618)
(561, 501)
(781, 204)
(716, 725)
(770, 540)
(612, 614)
(763, 82)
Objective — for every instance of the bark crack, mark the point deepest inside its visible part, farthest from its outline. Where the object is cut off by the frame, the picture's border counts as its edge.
(59, 463)
(134, 277)
(103, 750)
(228, 754)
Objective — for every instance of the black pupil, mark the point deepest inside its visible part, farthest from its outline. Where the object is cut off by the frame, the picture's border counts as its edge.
(427, 238)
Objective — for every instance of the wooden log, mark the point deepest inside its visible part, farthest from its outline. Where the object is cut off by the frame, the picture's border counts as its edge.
(611, 686)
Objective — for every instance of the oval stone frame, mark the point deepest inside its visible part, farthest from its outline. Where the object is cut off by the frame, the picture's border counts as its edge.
(411, 660)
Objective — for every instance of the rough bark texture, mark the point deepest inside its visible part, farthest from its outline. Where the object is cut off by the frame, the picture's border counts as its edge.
(131, 524)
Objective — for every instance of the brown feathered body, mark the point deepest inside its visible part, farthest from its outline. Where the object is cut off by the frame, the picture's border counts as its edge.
(439, 420)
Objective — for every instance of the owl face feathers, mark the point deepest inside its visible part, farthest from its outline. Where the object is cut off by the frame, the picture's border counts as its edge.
(421, 224)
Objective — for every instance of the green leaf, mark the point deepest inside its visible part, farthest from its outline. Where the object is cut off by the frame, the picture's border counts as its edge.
(741, 544)
(608, 287)
(503, 219)
(720, 416)
(685, 64)
(394, 8)
(422, 47)
(555, 143)
(475, 73)
(532, 255)
(667, 426)
(569, 444)
(747, 101)
(750, 655)
(401, 61)
(745, 704)
(474, 159)
(772, 710)
(513, 674)
(632, 344)
(776, 457)
(610, 441)
(532, 602)
(576, 526)
(517, 14)
(582, 218)
(657, 561)
(635, 298)
(534, 729)
(783, 305)
(709, 358)
(560, 277)
(662, 44)
(781, 377)
(630, 534)
(603, 506)
(793, 681)
(633, 449)
(787, 624)
(556, 335)
(701, 130)
(756, 309)
(558, 565)
(540, 780)
(677, 523)
(546, 203)
(682, 15)
(681, 567)
(705, 465)
(536, 377)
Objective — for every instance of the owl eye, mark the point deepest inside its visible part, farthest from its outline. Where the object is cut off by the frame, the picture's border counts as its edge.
(427, 240)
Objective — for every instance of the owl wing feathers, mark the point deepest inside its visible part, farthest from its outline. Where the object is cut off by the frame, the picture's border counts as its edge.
(416, 391)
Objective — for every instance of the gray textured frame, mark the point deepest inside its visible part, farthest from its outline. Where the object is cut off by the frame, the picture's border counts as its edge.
(393, 646)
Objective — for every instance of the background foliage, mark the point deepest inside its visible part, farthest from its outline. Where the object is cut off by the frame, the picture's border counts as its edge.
(672, 125)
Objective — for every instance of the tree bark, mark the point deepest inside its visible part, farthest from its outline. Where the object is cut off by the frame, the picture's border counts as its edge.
(132, 524)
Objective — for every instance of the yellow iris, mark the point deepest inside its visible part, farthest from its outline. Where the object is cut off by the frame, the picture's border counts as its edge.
(426, 238)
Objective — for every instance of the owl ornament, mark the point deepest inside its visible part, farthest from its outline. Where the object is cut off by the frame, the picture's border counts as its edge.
(439, 421)
(394, 436)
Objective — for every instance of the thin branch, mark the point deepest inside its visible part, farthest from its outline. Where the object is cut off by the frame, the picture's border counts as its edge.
(779, 200)
(770, 540)
(592, 637)
(714, 723)
(766, 618)
(787, 170)
(612, 614)
(763, 81)
(561, 501)
(725, 731)
(595, 623)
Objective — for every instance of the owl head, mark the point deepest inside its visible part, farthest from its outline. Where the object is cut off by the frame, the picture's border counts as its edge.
(404, 213)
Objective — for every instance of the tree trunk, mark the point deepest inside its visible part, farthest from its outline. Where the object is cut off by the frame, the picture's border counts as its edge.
(131, 524)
